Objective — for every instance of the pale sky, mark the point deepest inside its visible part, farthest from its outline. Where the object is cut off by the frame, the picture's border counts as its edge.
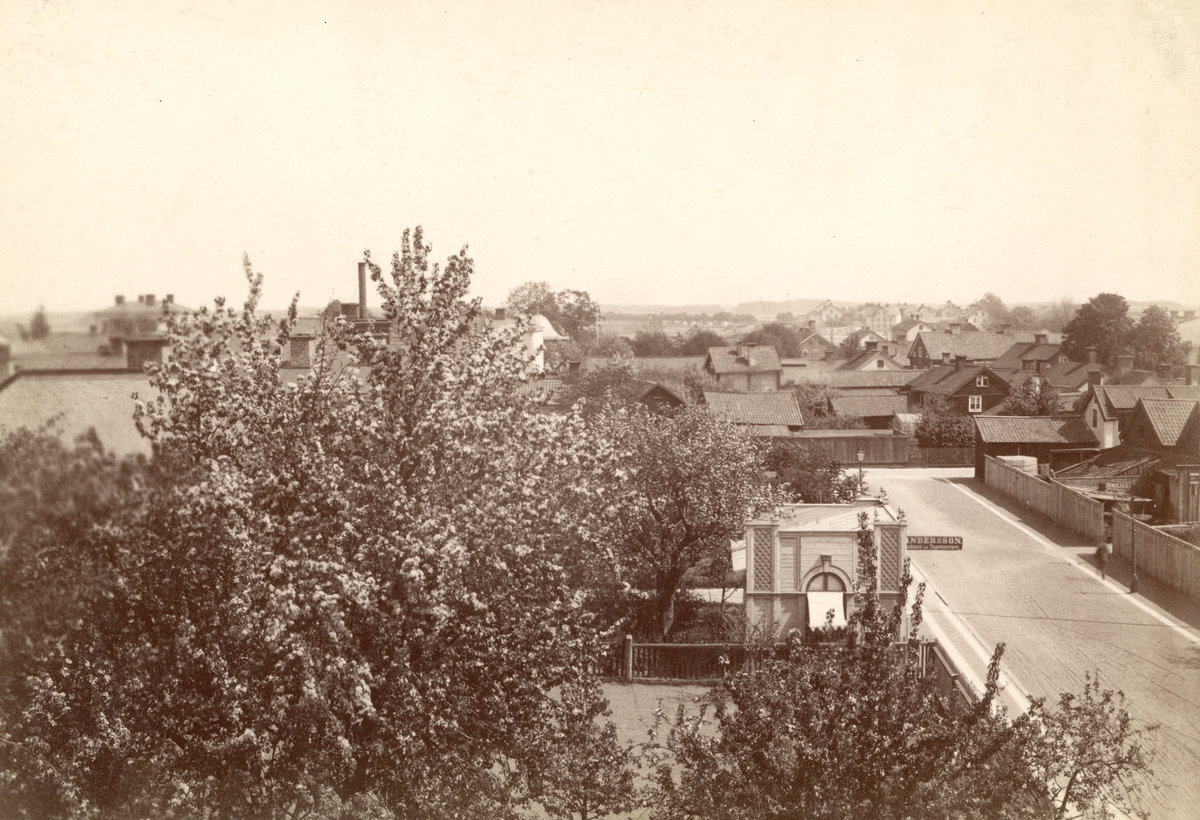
(647, 152)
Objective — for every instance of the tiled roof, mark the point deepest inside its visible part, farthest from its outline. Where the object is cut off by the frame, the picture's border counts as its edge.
(1124, 397)
(756, 408)
(1033, 430)
(1188, 442)
(642, 363)
(978, 346)
(1070, 375)
(904, 327)
(860, 360)
(1167, 417)
(946, 379)
(819, 339)
(867, 406)
(759, 359)
(99, 399)
(853, 379)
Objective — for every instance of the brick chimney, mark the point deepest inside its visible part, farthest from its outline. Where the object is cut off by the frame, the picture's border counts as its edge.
(169, 299)
(141, 299)
(1040, 338)
(945, 357)
(573, 367)
(871, 345)
(149, 300)
(501, 313)
(960, 361)
(119, 300)
(1192, 375)
(1095, 378)
(143, 351)
(1091, 354)
(1124, 364)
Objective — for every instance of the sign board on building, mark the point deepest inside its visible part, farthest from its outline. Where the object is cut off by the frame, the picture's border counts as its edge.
(935, 542)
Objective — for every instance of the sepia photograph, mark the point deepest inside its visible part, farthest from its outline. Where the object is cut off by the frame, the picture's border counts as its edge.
(682, 410)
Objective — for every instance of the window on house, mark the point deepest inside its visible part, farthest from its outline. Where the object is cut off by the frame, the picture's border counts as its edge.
(975, 404)
(981, 381)
(879, 363)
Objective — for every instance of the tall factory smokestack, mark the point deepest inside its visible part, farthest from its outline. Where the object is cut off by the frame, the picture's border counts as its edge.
(362, 290)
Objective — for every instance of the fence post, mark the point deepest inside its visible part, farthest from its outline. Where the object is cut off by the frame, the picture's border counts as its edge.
(629, 658)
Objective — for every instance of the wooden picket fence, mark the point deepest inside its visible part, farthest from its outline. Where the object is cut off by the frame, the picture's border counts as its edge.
(1052, 499)
(1163, 557)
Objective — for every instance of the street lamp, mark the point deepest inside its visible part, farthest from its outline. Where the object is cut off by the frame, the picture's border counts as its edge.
(861, 485)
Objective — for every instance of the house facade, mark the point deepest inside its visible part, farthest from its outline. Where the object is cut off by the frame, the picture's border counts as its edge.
(746, 367)
(967, 389)
(803, 563)
(979, 346)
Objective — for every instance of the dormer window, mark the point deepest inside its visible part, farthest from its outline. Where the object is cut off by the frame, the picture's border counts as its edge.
(981, 381)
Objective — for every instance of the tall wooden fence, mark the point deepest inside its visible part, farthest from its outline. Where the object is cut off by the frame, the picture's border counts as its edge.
(845, 445)
(1057, 502)
(1163, 557)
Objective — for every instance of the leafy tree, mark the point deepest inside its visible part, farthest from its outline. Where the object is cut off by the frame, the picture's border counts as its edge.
(1103, 323)
(39, 328)
(1033, 397)
(863, 732)
(941, 427)
(1022, 317)
(534, 297)
(784, 338)
(1155, 340)
(785, 318)
(1059, 314)
(614, 384)
(610, 345)
(997, 313)
(698, 342)
(678, 488)
(653, 343)
(578, 313)
(337, 592)
(809, 476)
(849, 346)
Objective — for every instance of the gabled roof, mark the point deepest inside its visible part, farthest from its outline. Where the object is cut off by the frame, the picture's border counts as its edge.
(863, 333)
(977, 346)
(860, 360)
(1188, 442)
(651, 387)
(1015, 357)
(858, 379)
(1033, 430)
(947, 379)
(542, 390)
(1122, 398)
(868, 406)
(907, 325)
(1070, 375)
(758, 359)
(756, 408)
(819, 339)
(1164, 418)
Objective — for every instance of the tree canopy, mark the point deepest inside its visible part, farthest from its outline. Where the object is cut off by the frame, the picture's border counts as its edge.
(941, 427)
(572, 311)
(333, 593)
(1102, 323)
(678, 488)
(1033, 397)
(1155, 340)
